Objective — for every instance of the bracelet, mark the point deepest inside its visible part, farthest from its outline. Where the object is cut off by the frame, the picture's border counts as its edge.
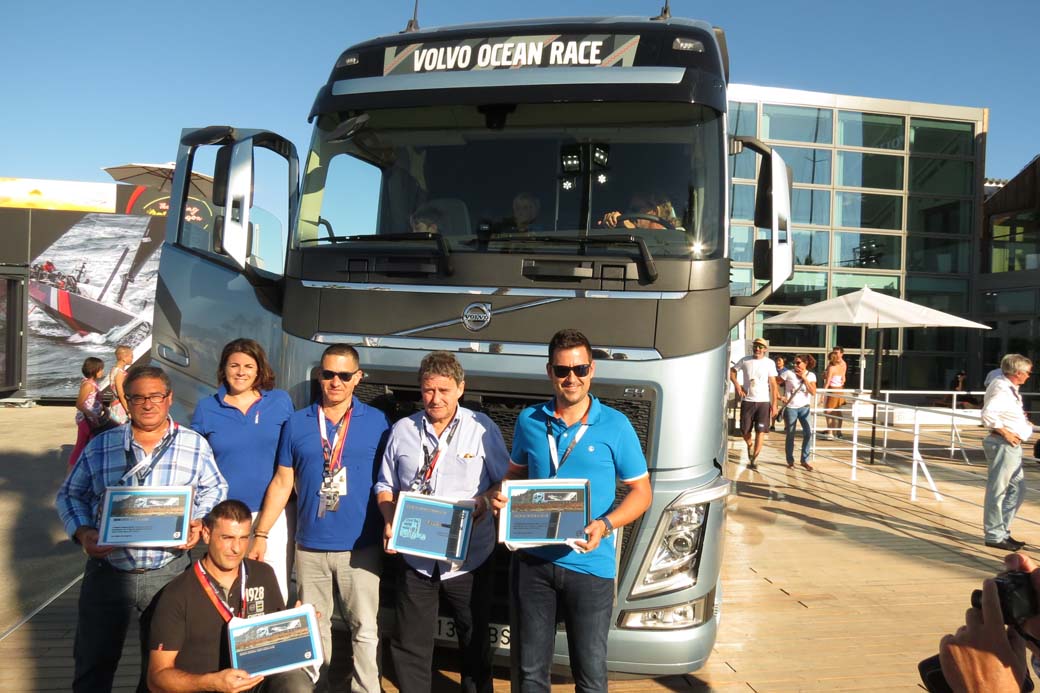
(487, 503)
(261, 535)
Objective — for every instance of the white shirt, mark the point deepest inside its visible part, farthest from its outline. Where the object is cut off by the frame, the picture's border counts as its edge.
(757, 374)
(991, 376)
(797, 394)
(1002, 408)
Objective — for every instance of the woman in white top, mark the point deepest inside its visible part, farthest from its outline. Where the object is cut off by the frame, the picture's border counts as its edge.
(799, 389)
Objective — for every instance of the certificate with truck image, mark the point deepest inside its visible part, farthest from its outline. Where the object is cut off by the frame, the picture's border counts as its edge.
(432, 527)
(145, 516)
(272, 643)
(544, 511)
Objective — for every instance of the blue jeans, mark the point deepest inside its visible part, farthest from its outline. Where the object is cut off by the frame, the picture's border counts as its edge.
(1005, 486)
(586, 602)
(801, 415)
(107, 600)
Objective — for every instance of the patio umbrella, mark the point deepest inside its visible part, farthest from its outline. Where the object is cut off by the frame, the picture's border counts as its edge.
(160, 177)
(871, 310)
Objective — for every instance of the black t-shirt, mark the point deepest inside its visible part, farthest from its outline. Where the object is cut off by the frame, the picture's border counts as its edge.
(187, 622)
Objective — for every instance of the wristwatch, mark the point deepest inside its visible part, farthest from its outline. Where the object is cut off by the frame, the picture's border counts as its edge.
(606, 522)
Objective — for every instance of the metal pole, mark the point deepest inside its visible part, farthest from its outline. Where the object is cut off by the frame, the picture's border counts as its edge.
(876, 395)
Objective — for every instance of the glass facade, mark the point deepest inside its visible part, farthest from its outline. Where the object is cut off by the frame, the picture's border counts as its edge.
(884, 194)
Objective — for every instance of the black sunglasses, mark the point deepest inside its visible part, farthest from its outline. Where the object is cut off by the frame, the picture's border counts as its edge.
(563, 371)
(343, 375)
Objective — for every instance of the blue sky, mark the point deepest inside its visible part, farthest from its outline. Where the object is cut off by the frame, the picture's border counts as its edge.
(88, 85)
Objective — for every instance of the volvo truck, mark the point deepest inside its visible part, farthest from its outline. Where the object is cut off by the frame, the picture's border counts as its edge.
(476, 188)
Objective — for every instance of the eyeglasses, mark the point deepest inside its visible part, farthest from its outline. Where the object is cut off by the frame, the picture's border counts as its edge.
(798, 363)
(138, 400)
(757, 347)
(563, 371)
(344, 376)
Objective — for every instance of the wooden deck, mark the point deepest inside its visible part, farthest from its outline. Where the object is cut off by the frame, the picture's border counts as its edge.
(829, 584)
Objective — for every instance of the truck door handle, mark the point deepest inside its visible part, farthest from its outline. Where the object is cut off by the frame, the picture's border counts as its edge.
(173, 355)
(556, 269)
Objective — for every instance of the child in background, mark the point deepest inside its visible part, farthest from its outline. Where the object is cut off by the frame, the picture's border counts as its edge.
(88, 404)
(118, 410)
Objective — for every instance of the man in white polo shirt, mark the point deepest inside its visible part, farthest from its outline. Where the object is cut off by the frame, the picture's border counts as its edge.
(757, 396)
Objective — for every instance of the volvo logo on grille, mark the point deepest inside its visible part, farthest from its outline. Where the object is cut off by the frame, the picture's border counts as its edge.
(476, 316)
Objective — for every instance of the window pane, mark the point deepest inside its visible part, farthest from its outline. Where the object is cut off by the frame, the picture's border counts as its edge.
(859, 170)
(941, 176)
(740, 283)
(947, 294)
(867, 250)
(810, 247)
(1009, 301)
(851, 337)
(1014, 243)
(742, 201)
(847, 283)
(936, 215)
(941, 137)
(811, 166)
(932, 339)
(943, 255)
(743, 165)
(811, 206)
(922, 372)
(869, 211)
(742, 118)
(741, 249)
(870, 130)
(797, 336)
(797, 123)
(801, 289)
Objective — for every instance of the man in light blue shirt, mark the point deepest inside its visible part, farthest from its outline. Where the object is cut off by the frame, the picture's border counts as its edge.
(117, 583)
(453, 453)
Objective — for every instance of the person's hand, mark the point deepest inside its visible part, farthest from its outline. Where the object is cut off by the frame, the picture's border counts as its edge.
(298, 604)
(388, 534)
(498, 501)
(740, 392)
(235, 680)
(594, 533)
(772, 411)
(258, 549)
(88, 539)
(611, 219)
(1011, 437)
(979, 657)
(194, 534)
(1019, 561)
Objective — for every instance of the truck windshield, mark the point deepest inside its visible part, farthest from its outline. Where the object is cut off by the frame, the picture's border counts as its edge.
(497, 179)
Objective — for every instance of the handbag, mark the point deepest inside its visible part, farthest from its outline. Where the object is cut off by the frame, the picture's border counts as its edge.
(104, 423)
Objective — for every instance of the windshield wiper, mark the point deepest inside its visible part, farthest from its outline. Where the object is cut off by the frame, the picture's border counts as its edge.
(649, 266)
(443, 250)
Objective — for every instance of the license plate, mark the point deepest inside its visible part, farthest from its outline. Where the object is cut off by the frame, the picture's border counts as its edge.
(498, 634)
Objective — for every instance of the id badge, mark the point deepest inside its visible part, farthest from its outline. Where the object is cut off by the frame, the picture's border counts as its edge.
(339, 482)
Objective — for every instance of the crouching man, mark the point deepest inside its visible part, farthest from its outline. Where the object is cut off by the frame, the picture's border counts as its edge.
(188, 637)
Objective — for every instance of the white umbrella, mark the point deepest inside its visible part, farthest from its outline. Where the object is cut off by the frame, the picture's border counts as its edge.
(873, 310)
(160, 177)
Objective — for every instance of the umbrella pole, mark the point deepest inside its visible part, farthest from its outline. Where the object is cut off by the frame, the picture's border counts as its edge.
(876, 394)
(863, 347)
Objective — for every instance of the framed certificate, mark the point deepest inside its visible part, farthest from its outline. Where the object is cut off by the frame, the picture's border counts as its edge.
(544, 511)
(432, 527)
(271, 643)
(145, 516)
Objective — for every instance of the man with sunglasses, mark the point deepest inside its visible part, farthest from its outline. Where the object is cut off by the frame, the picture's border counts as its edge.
(758, 396)
(1003, 415)
(330, 451)
(448, 451)
(119, 583)
(574, 436)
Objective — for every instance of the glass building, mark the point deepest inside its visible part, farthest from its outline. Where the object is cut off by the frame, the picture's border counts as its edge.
(885, 194)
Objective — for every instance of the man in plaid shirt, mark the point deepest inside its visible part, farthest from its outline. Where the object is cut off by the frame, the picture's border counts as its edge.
(151, 451)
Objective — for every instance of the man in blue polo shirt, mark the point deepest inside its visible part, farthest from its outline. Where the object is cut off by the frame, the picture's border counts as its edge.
(330, 451)
(573, 436)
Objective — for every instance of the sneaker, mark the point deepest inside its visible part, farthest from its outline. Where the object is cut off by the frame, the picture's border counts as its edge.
(1008, 544)
(839, 435)
(823, 436)
(1021, 544)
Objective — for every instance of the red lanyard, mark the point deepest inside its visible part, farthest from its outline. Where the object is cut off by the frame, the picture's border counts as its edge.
(223, 608)
(333, 453)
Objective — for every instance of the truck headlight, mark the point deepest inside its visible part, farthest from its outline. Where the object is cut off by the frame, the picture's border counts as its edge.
(674, 617)
(671, 562)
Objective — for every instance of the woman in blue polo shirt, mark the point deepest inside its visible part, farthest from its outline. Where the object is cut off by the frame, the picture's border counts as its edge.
(243, 422)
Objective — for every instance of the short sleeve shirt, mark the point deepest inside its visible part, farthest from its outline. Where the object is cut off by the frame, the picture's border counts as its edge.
(187, 622)
(757, 373)
(357, 523)
(797, 395)
(609, 450)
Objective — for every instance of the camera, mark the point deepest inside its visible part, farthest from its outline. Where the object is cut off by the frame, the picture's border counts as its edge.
(1018, 603)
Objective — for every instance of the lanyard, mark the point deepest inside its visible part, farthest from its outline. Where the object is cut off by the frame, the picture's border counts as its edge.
(333, 453)
(144, 468)
(222, 607)
(558, 462)
(423, 476)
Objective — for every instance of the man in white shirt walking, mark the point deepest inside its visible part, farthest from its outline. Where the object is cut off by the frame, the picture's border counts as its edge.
(757, 395)
(1003, 415)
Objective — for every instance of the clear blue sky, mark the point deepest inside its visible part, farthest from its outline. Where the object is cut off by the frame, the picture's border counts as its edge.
(91, 84)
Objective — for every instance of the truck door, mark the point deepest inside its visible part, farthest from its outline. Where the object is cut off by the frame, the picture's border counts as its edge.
(233, 200)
